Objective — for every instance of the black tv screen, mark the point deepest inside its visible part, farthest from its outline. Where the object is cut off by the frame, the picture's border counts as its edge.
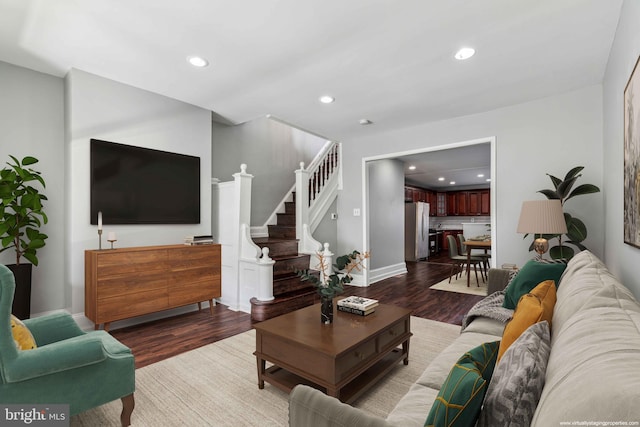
(134, 185)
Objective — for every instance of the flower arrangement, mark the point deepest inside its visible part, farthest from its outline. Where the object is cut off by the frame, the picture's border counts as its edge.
(330, 285)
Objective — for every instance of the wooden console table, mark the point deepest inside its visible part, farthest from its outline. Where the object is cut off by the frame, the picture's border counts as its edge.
(128, 282)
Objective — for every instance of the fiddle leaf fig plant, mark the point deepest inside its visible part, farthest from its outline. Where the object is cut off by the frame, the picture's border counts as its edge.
(576, 229)
(21, 212)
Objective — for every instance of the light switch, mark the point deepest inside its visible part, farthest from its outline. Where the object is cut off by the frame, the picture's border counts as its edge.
(356, 212)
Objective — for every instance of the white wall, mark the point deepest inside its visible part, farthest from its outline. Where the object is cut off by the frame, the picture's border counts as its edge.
(100, 108)
(548, 135)
(621, 258)
(32, 124)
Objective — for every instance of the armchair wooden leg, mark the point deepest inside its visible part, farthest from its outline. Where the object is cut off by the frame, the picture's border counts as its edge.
(128, 403)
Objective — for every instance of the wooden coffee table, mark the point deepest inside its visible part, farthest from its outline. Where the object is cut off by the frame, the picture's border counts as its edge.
(342, 359)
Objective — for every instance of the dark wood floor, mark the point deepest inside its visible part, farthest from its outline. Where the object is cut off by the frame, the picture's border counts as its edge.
(161, 339)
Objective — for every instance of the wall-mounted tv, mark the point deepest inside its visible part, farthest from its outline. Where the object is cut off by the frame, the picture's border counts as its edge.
(134, 185)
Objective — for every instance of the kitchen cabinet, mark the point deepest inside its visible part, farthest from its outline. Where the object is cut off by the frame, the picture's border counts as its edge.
(441, 204)
(485, 202)
(451, 203)
(462, 203)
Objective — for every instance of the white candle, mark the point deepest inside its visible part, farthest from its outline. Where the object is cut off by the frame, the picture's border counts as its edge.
(111, 236)
(100, 220)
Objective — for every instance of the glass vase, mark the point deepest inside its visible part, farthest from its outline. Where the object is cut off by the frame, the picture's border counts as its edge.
(326, 310)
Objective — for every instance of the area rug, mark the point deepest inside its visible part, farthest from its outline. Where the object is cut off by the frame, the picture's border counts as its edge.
(460, 285)
(217, 385)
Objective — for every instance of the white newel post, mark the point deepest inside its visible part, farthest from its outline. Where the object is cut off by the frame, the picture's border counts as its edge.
(328, 261)
(265, 277)
(302, 202)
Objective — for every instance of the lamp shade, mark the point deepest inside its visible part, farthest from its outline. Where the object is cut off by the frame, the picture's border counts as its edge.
(542, 217)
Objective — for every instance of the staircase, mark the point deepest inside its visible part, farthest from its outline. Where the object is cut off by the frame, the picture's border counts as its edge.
(290, 293)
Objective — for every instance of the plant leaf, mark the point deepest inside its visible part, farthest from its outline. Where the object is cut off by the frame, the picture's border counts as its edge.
(29, 161)
(559, 252)
(576, 230)
(551, 195)
(583, 189)
(555, 180)
(565, 187)
(573, 172)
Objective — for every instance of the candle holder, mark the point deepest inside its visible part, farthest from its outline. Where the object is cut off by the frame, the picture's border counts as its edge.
(111, 237)
(99, 239)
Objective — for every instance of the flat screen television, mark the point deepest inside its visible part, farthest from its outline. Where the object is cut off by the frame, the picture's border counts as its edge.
(135, 185)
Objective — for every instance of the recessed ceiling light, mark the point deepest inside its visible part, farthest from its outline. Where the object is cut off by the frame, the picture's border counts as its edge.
(365, 122)
(197, 61)
(327, 99)
(465, 53)
(412, 168)
(488, 179)
(441, 178)
(480, 175)
(452, 182)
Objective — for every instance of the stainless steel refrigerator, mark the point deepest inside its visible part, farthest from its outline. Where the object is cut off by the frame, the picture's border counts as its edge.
(416, 231)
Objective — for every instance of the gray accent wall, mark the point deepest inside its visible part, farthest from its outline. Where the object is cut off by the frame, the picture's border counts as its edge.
(272, 151)
(32, 124)
(550, 135)
(621, 258)
(386, 213)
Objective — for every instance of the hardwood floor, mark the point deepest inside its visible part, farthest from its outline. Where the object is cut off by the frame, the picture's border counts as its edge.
(158, 340)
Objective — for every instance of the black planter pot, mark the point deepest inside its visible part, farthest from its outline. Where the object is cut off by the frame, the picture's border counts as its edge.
(22, 297)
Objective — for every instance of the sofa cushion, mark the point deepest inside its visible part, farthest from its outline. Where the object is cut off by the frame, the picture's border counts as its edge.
(531, 274)
(436, 373)
(585, 275)
(594, 366)
(411, 410)
(460, 398)
(518, 379)
(533, 307)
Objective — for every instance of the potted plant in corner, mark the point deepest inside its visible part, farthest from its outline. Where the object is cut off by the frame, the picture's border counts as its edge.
(21, 216)
(329, 284)
(577, 230)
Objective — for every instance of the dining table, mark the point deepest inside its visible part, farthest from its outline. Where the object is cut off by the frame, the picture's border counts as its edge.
(474, 244)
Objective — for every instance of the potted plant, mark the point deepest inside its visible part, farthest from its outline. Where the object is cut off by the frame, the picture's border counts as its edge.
(21, 216)
(577, 230)
(331, 283)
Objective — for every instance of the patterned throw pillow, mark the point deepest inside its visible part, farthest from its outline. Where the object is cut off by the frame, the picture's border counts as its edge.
(533, 307)
(460, 398)
(514, 392)
(21, 335)
(532, 273)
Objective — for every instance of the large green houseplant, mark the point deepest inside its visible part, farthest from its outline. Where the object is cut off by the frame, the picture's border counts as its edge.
(576, 229)
(21, 216)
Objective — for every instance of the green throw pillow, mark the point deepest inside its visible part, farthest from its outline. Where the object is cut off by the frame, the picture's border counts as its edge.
(460, 398)
(531, 274)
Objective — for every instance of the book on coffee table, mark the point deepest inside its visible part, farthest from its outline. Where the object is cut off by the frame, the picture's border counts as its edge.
(358, 303)
(356, 311)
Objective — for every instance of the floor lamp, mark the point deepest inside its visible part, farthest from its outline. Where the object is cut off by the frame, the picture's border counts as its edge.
(541, 217)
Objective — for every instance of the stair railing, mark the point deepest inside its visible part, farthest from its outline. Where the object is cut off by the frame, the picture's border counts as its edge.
(247, 271)
(316, 188)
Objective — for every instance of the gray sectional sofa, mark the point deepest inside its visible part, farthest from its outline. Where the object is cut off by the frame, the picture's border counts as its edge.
(592, 375)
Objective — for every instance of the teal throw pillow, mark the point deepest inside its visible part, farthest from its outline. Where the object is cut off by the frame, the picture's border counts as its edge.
(461, 396)
(531, 274)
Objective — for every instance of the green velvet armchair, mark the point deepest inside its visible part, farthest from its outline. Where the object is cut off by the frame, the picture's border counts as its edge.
(69, 366)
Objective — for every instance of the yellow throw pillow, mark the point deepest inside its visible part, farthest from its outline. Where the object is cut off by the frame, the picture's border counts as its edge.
(21, 335)
(533, 307)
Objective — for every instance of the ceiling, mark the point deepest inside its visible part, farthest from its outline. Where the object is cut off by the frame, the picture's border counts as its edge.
(389, 62)
(460, 167)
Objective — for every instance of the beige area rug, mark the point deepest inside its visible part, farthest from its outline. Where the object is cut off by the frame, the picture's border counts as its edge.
(217, 385)
(460, 285)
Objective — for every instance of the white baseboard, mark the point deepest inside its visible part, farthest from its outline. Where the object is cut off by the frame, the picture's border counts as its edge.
(385, 272)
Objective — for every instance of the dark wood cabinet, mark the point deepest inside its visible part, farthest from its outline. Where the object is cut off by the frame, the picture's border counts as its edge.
(451, 203)
(485, 202)
(445, 243)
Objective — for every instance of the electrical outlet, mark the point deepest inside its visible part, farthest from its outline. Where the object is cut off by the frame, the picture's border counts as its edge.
(334, 215)
(356, 212)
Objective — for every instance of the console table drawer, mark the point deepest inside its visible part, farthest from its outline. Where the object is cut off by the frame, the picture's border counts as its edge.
(355, 358)
(393, 334)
